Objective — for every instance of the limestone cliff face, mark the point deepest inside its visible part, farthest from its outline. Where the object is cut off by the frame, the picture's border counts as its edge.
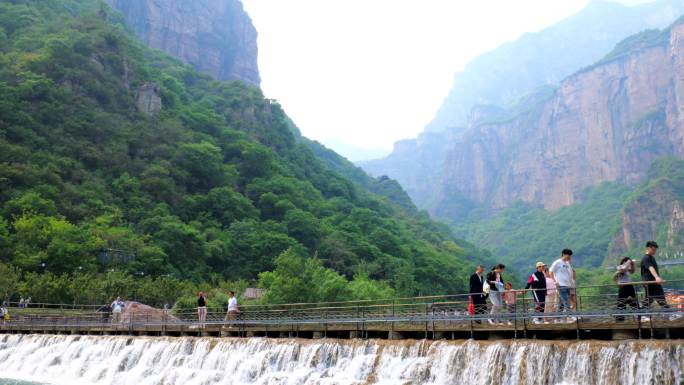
(215, 36)
(547, 56)
(605, 123)
(655, 214)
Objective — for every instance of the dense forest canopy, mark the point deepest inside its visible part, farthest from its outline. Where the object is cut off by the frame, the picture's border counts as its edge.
(216, 186)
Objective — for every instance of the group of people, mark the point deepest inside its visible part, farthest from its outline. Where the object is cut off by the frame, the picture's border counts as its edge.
(232, 309)
(553, 289)
(24, 303)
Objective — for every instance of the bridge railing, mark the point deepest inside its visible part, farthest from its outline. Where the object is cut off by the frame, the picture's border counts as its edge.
(598, 303)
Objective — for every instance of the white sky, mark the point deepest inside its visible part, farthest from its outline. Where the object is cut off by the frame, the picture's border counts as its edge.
(371, 72)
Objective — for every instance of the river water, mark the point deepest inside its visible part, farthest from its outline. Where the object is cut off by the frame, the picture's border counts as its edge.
(95, 360)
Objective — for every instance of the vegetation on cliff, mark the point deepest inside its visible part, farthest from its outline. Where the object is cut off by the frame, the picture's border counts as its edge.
(523, 234)
(217, 186)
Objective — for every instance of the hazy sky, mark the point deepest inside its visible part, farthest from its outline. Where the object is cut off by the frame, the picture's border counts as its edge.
(371, 72)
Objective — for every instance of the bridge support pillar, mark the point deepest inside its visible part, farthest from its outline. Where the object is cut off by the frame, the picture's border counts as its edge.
(354, 334)
(394, 335)
(496, 336)
(438, 336)
(618, 334)
(318, 335)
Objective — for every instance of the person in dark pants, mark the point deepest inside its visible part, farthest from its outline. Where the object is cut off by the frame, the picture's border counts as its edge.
(106, 312)
(537, 282)
(476, 293)
(626, 293)
(649, 272)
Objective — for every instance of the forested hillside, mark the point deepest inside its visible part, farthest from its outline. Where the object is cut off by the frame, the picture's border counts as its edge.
(116, 159)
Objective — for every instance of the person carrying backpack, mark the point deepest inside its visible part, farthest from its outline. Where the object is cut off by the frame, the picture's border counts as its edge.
(537, 282)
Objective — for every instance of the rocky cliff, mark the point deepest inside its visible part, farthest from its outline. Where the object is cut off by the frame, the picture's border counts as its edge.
(547, 56)
(215, 36)
(655, 211)
(607, 122)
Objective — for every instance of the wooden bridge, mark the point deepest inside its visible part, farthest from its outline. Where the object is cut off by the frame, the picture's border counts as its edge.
(596, 317)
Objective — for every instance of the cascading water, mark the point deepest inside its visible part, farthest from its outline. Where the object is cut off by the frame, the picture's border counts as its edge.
(203, 361)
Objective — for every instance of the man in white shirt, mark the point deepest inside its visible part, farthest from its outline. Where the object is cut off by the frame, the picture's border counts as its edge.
(117, 309)
(564, 275)
(233, 309)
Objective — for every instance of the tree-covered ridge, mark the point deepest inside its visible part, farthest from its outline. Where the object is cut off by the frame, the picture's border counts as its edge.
(216, 186)
(522, 234)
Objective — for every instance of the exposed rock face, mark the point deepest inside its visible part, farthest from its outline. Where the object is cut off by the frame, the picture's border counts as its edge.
(676, 225)
(547, 56)
(215, 36)
(149, 99)
(655, 214)
(605, 123)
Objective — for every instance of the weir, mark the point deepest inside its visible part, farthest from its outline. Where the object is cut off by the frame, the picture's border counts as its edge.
(103, 360)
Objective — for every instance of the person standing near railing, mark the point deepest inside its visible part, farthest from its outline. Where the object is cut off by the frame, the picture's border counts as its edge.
(477, 295)
(537, 282)
(496, 288)
(551, 305)
(201, 309)
(233, 309)
(562, 271)
(117, 309)
(4, 313)
(626, 293)
(650, 273)
(510, 298)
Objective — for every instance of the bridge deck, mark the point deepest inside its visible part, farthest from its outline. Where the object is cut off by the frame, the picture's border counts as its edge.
(598, 316)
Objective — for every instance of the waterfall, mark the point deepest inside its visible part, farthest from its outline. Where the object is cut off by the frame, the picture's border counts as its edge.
(90, 360)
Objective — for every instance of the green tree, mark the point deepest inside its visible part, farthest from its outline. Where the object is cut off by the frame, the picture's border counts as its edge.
(304, 227)
(29, 203)
(298, 278)
(364, 288)
(9, 281)
(54, 244)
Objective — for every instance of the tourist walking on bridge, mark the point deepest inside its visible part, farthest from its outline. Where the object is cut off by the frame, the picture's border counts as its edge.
(4, 313)
(537, 282)
(201, 309)
(650, 273)
(510, 297)
(117, 309)
(233, 309)
(564, 275)
(626, 293)
(477, 295)
(496, 288)
(551, 304)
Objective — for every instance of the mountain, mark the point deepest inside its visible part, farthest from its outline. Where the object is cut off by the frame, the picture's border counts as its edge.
(118, 159)
(605, 123)
(547, 56)
(580, 164)
(215, 36)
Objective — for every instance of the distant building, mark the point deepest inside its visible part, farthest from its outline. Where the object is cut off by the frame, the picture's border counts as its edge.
(253, 293)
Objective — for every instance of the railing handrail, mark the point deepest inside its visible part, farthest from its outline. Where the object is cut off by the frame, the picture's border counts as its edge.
(398, 301)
